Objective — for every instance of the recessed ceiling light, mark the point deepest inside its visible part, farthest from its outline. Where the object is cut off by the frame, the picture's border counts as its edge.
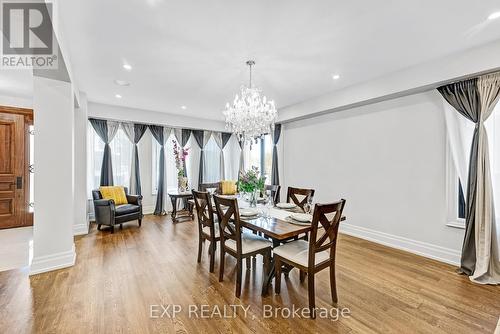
(494, 16)
(118, 96)
(128, 67)
(122, 82)
(183, 107)
(336, 77)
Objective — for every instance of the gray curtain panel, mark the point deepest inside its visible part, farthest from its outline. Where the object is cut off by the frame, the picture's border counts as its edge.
(134, 133)
(466, 98)
(202, 138)
(106, 131)
(158, 133)
(275, 177)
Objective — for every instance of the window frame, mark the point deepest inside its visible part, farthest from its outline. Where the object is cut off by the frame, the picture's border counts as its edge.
(452, 192)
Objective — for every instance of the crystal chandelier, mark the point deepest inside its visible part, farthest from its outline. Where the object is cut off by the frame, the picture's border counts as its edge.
(251, 115)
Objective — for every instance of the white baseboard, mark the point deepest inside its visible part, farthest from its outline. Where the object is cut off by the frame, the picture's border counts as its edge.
(148, 209)
(443, 254)
(81, 229)
(51, 262)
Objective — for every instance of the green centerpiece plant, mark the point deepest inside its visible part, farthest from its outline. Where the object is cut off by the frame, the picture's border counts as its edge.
(251, 183)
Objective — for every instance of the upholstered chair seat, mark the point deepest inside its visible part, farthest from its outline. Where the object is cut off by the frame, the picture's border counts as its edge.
(249, 243)
(298, 252)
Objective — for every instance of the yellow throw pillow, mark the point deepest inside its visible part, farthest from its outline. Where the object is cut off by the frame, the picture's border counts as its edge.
(116, 193)
(228, 187)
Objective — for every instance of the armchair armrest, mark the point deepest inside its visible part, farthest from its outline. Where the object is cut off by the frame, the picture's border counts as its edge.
(104, 210)
(103, 202)
(134, 199)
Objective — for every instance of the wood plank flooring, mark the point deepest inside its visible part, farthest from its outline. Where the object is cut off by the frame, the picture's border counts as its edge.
(117, 277)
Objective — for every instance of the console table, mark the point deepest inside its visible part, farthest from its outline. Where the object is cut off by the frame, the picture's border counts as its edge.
(187, 211)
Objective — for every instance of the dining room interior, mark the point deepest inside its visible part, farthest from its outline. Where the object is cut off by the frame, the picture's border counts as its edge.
(225, 166)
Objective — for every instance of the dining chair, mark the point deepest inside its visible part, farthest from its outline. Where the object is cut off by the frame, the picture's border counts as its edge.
(299, 196)
(207, 227)
(275, 192)
(215, 185)
(316, 254)
(237, 244)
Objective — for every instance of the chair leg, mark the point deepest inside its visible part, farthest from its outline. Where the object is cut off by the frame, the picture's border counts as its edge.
(333, 283)
(112, 229)
(98, 227)
(267, 269)
(302, 276)
(248, 262)
(212, 255)
(312, 301)
(221, 264)
(140, 222)
(121, 226)
(238, 277)
(277, 277)
(200, 246)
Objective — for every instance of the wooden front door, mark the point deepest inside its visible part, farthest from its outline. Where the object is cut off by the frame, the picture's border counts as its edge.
(12, 171)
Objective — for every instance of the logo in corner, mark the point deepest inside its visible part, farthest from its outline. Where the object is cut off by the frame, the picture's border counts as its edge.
(28, 39)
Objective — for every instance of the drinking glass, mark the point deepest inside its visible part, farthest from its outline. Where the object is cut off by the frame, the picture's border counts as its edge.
(269, 202)
(308, 206)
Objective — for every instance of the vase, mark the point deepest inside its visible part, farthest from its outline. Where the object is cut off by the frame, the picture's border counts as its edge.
(252, 198)
(182, 184)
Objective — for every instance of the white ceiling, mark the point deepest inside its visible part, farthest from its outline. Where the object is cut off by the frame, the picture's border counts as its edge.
(193, 52)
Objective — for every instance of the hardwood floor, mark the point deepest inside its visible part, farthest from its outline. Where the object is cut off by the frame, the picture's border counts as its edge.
(118, 277)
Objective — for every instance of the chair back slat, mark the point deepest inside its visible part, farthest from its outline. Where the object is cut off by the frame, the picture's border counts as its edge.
(305, 195)
(204, 212)
(229, 220)
(326, 238)
(206, 186)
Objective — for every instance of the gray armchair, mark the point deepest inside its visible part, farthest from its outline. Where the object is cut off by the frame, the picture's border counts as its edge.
(107, 213)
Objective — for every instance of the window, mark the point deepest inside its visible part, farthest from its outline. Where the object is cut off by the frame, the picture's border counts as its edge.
(260, 154)
(121, 157)
(455, 194)
(455, 191)
(170, 169)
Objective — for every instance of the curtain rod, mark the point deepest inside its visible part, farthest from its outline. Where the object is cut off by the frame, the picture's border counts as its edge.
(143, 123)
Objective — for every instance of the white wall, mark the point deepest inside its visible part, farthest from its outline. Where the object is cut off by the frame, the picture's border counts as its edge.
(152, 117)
(14, 101)
(80, 224)
(388, 161)
(53, 108)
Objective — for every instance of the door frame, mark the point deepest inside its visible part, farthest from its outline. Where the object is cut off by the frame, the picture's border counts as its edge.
(28, 120)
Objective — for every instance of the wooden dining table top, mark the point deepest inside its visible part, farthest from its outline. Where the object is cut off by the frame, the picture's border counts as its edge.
(276, 226)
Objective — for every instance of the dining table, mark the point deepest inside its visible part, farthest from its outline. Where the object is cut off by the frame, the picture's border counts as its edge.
(277, 225)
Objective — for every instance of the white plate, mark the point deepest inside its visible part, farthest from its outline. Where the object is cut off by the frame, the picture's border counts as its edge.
(302, 217)
(248, 213)
(285, 205)
(296, 222)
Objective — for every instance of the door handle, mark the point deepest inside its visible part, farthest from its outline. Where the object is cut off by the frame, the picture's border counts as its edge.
(19, 182)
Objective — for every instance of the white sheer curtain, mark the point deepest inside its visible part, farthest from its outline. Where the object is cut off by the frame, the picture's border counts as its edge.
(121, 155)
(459, 131)
(212, 162)
(170, 170)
